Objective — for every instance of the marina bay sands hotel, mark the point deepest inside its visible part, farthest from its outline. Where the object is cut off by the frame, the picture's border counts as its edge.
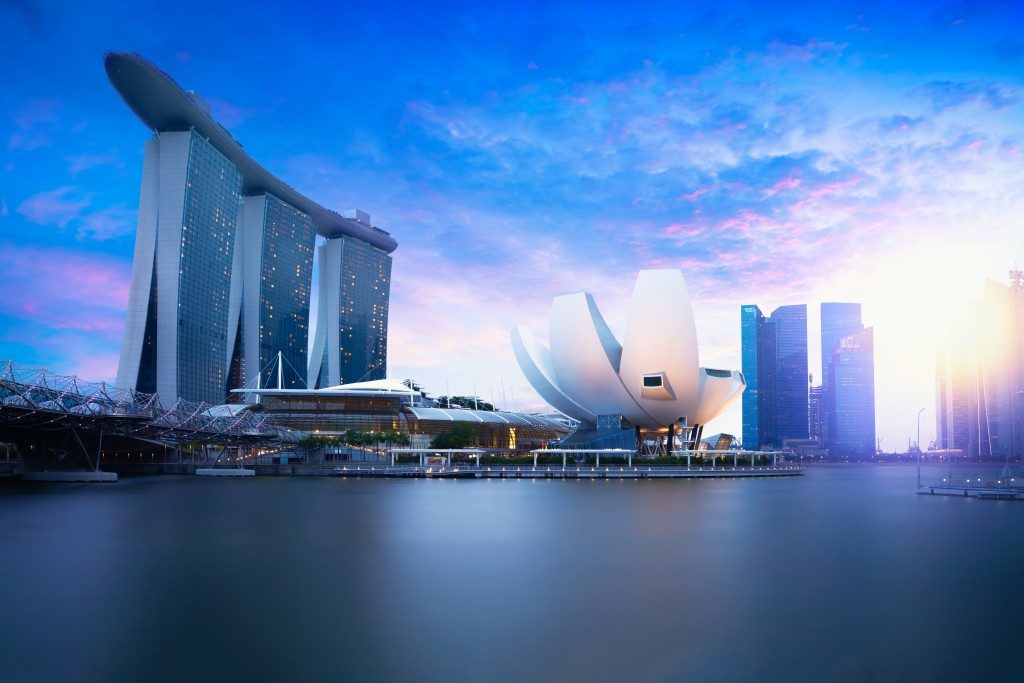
(223, 267)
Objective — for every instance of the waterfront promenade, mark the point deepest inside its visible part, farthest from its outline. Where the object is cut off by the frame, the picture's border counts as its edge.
(573, 472)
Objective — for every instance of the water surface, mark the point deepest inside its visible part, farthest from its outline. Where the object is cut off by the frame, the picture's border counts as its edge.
(844, 574)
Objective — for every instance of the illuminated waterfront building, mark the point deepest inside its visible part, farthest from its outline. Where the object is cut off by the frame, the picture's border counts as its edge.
(390, 405)
(222, 273)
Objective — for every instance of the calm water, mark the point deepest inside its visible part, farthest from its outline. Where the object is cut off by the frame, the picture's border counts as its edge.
(842, 574)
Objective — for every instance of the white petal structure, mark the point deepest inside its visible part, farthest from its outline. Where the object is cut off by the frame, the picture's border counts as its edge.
(653, 380)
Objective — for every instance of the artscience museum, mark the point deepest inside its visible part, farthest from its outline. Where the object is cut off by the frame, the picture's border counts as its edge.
(648, 386)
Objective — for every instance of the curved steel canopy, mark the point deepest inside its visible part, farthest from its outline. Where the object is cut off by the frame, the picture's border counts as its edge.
(162, 105)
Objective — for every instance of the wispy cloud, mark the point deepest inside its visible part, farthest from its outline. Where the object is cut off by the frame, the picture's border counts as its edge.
(229, 113)
(105, 224)
(948, 94)
(70, 206)
(84, 162)
(34, 124)
(56, 207)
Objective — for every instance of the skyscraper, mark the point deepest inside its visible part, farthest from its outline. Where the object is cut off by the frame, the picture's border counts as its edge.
(853, 396)
(814, 413)
(277, 261)
(774, 351)
(223, 261)
(791, 371)
(352, 344)
(848, 385)
(184, 247)
(980, 378)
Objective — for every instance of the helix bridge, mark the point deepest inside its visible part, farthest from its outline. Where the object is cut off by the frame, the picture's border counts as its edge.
(60, 421)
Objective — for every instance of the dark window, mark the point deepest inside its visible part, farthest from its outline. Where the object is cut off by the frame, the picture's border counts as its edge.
(652, 380)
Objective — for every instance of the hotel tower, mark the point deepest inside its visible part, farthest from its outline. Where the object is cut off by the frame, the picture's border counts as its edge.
(223, 263)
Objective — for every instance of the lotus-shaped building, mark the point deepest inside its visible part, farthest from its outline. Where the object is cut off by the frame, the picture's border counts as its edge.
(651, 381)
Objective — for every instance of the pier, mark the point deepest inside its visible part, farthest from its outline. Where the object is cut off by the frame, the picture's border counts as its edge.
(570, 472)
(979, 491)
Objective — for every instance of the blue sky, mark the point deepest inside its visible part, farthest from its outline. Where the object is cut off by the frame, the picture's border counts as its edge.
(848, 151)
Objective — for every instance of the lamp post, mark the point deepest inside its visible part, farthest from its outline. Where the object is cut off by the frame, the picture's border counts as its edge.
(919, 447)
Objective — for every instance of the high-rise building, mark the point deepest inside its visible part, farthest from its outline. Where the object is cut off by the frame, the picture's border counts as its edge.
(184, 246)
(223, 261)
(276, 257)
(791, 371)
(847, 399)
(352, 345)
(980, 377)
(814, 413)
(853, 396)
(774, 351)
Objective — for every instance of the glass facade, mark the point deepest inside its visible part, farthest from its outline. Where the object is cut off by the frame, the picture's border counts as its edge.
(361, 308)
(791, 372)
(213, 188)
(286, 270)
(333, 415)
(838, 320)
(757, 334)
(814, 414)
(853, 375)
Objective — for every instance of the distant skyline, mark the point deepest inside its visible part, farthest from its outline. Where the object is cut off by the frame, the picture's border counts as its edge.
(869, 153)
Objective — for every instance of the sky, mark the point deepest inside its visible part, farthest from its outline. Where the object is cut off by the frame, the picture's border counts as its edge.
(776, 154)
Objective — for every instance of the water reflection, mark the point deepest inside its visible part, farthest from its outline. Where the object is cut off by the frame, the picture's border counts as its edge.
(843, 574)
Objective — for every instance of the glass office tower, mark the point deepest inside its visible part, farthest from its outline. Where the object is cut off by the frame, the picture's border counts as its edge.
(774, 351)
(351, 340)
(791, 371)
(853, 387)
(838, 320)
(757, 335)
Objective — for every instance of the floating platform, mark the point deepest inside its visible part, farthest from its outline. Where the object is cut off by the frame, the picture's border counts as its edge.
(225, 472)
(979, 492)
(406, 472)
(554, 472)
(72, 476)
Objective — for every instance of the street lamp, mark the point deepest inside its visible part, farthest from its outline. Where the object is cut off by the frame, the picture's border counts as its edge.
(919, 447)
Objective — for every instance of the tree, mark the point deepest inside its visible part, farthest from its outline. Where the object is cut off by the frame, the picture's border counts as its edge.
(459, 436)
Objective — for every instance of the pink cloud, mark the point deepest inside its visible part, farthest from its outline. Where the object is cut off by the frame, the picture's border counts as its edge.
(695, 195)
(60, 289)
(781, 186)
(682, 230)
